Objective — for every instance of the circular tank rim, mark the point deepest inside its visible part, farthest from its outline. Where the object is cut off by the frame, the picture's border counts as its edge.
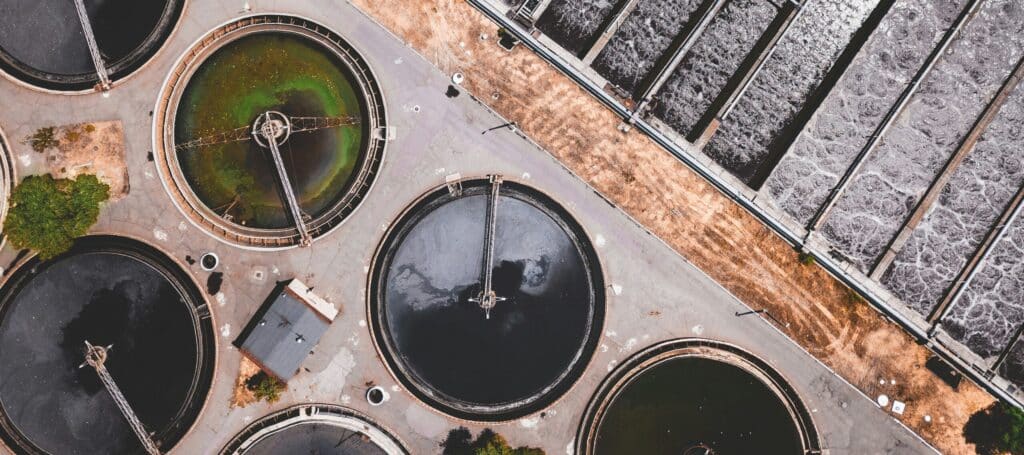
(371, 159)
(553, 394)
(651, 356)
(8, 177)
(207, 338)
(148, 58)
(341, 416)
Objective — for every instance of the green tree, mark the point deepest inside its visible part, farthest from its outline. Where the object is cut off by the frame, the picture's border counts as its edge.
(48, 214)
(487, 443)
(265, 387)
(997, 429)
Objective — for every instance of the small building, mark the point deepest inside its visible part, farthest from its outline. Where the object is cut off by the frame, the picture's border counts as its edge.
(285, 329)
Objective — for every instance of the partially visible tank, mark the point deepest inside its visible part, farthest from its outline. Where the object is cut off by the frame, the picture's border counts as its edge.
(127, 32)
(136, 303)
(314, 428)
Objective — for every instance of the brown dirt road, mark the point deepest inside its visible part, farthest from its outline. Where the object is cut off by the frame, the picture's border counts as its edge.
(687, 212)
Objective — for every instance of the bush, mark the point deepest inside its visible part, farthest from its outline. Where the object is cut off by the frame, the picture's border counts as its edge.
(265, 387)
(996, 429)
(806, 259)
(488, 442)
(43, 139)
(48, 214)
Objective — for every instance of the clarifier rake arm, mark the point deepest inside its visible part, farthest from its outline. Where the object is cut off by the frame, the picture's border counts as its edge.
(487, 298)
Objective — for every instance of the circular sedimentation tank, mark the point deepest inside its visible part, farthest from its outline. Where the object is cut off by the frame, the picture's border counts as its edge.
(321, 99)
(42, 42)
(109, 291)
(479, 358)
(315, 428)
(695, 396)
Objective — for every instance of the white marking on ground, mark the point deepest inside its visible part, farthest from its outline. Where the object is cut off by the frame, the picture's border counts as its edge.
(398, 61)
(160, 234)
(149, 174)
(182, 226)
(439, 171)
(220, 298)
(617, 289)
(25, 159)
(526, 176)
(529, 422)
(225, 330)
(604, 347)
(345, 399)
(569, 449)
(630, 344)
(395, 388)
(610, 333)
(599, 240)
(611, 365)
(698, 329)
(354, 339)
(362, 323)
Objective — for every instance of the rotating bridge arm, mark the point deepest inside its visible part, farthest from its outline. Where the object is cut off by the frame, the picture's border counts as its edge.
(94, 49)
(96, 356)
(487, 298)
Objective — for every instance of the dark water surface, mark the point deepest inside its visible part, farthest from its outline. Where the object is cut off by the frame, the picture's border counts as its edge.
(46, 35)
(686, 401)
(531, 341)
(315, 438)
(107, 298)
(269, 71)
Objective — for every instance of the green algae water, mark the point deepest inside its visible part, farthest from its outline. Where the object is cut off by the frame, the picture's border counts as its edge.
(271, 71)
(688, 402)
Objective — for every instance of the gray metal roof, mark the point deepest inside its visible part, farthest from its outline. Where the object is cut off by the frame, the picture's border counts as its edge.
(280, 338)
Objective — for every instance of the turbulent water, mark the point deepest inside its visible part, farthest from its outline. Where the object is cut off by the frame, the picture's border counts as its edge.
(800, 62)
(964, 213)
(575, 24)
(643, 38)
(858, 103)
(1013, 367)
(709, 64)
(992, 307)
(927, 132)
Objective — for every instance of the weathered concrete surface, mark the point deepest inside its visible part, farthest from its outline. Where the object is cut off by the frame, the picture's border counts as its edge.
(688, 213)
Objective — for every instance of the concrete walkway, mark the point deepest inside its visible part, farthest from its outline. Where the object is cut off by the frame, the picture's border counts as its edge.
(653, 294)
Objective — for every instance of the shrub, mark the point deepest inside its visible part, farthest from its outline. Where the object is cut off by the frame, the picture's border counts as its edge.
(43, 139)
(487, 442)
(48, 214)
(854, 298)
(265, 387)
(996, 429)
(806, 258)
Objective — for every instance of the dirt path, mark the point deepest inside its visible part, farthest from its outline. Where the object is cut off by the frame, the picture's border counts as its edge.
(680, 207)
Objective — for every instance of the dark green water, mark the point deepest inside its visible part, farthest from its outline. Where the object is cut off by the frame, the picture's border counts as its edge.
(687, 401)
(269, 71)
